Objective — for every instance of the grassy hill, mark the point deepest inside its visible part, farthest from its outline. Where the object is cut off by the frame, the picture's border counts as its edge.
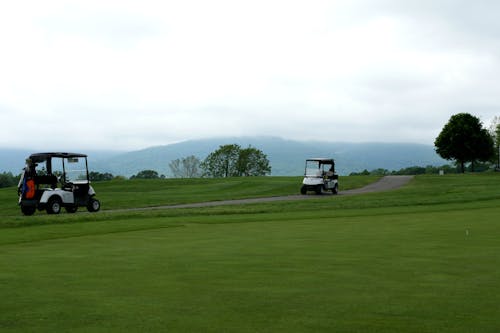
(424, 258)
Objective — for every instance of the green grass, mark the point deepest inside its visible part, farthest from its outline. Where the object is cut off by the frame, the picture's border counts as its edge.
(146, 193)
(424, 258)
(118, 194)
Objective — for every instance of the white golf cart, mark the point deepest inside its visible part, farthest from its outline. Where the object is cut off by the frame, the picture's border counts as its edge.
(320, 176)
(51, 181)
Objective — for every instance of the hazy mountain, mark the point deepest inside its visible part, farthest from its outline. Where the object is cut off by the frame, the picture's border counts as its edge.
(287, 157)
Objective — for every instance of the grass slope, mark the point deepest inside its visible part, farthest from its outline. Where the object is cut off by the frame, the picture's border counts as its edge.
(420, 259)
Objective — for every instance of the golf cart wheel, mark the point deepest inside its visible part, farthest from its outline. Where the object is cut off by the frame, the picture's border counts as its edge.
(71, 209)
(303, 189)
(28, 210)
(318, 189)
(93, 205)
(54, 205)
(335, 189)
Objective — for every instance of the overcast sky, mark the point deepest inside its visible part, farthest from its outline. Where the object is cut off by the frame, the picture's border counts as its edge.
(133, 74)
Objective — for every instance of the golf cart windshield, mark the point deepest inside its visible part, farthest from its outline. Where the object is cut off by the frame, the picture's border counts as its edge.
(313, 169)
(318, 167)
(76, 169)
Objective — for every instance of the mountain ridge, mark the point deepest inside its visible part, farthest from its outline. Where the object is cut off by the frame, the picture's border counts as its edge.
(286, 156)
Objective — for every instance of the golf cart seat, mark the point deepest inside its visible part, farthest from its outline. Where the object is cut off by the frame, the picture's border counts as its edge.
(47, 180)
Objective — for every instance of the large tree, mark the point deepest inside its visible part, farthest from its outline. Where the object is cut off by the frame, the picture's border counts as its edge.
(232, 161)
(222, 162)
(464, 139)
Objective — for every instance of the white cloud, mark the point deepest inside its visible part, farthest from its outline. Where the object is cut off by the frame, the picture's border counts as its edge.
(127, 74)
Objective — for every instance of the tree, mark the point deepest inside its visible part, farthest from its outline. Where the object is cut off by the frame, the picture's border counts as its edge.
(7, 179)
(175, 168)
(232, 161)
(146, 174)
(464, 139)
(497, 144)
(97, 176)
(495, 134)
(187, 167)
(222, 162)
(252, 162)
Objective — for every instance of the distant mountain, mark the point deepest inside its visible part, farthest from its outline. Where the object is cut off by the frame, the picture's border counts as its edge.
(12, 160)
(287, 157)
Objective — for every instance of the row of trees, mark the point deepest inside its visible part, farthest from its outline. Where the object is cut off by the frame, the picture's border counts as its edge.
(98, 177)
(414, 170)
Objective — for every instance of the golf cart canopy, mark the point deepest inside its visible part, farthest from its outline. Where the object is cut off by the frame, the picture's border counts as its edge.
(322, 160)
(40, 157)
(71, 166)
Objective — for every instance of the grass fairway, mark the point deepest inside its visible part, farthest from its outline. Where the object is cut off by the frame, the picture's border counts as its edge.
(425, 258)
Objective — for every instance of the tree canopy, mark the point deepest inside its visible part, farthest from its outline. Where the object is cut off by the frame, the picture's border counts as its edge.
(146, 174)
(464, 139)
(233, 161)
(252, 162)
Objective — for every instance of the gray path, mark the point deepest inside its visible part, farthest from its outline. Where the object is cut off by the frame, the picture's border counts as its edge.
(386, 183)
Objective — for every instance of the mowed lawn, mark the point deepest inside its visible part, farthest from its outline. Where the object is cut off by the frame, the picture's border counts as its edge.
(425, 258)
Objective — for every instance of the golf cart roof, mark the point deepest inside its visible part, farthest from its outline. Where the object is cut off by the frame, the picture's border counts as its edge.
(38, 157)
(322, 160)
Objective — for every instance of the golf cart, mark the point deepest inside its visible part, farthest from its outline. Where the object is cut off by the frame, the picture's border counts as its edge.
(51, 181)
(320, 176)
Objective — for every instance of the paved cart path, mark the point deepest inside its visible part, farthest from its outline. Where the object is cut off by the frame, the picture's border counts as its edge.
(386, 183)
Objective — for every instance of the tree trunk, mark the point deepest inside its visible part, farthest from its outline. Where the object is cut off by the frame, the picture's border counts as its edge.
(462, 166)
